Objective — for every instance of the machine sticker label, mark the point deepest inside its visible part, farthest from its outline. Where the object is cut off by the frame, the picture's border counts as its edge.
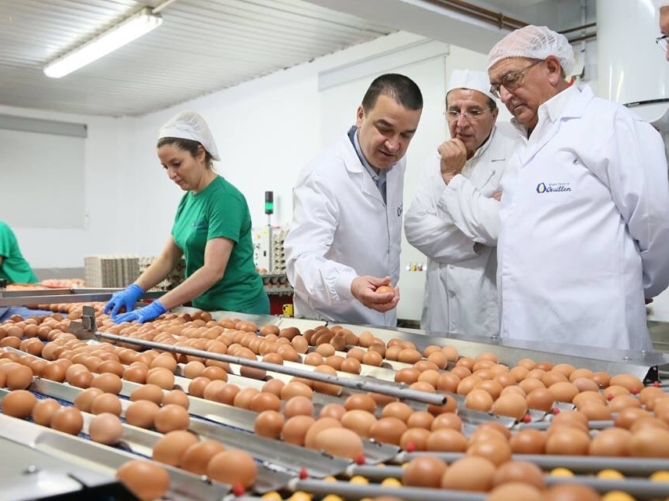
(553, 187)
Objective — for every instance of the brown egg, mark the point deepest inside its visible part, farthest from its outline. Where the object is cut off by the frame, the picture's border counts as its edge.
(447, 420)
(171, 417)
(568, 441)
(564, 391)
(388, 430)
(105, 429)
(610, 442)
(109, 383)
(617, 404)
(518, 491)
(448, 382)
(588, 396)
(446, 440)
(295, 429)
(632, 383)
(550, 378)
(528, 441)
(333, 410)
(54, 372)
(596, 411)
(339, 442)
(107, 402)
(372, 358)
(510, 405)
(149, 392)
(479, 400)
(613, 391)
(111, 366)
(265, 402)
(415, 439)
(227, 394)
(273, 386)
(467, 384)
(68, 420)
(571, 492)
(541, 399)
(298, 405)
(294, 389)
(177, 397)
(313, 358)
(528, 385)
(19, 378)
(650, 443)
(497, 451)
(193, 369)
(214, 373)
(162, 378)
(471, 473)
(19, 404)
(84, 400)
(408, 375)
(269, 424)
(316, 428)
(135, 374)
(424, 471)
(327, 388)
(144, 479)
(360, 401)
(245, 396)
(351, 365)
(44, 410)
(142, 413)
(398, 410)
(420, 419)
(519, 471)
(170, 448)
(359, 421)
(197, 456)
(628, 415)
(233, 467)
(585, 384)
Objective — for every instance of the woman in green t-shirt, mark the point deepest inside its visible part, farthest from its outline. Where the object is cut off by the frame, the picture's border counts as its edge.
(13, 266)
(212, 230)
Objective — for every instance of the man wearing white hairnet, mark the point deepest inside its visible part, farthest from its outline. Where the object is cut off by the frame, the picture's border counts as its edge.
(663, 8)
(454, 217)
(212, 230)
(584, 226)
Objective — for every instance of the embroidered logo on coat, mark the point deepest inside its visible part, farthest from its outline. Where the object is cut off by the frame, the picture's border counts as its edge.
(553, 187)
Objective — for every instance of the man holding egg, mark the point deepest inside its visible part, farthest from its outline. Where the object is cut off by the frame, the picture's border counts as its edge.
(343, 249)
(454, 217)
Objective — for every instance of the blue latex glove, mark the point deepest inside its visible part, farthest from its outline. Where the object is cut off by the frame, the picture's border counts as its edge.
(146, 314)
(125, 298)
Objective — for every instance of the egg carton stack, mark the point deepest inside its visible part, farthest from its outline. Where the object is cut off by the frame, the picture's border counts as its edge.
(175, 278)
(116, 270)
(278, 264)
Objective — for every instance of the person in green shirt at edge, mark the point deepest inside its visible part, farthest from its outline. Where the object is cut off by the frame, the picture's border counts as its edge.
(212, 229)
(13, 266)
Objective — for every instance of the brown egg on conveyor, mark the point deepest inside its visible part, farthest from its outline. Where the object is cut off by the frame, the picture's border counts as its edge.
(510, 405)
(339, 442)
(68, 420)
(568, 441)
(84, 400)
(650, 443)
(497, 451)
(320, 425)
(571, 492)
(244, 397)
(617, 404)
(177, 397)
(273, 386)
(161, 377)
(295, 388)
(107, 402)
(44, 410)
(388, 430)
(298, 405)
(144, 479)
(233, 467)
(519, 471)
(170, 448)
(399, 410)
(197, 456)
(142, 413)
(471, 473)
(358, 421)
(360, 401)
(424, 471)
(333, 410)
(295, 429)
(414, 439)
(541, 399)
(269, 424)
(109, 383)
(19, 403)
(446, 440)
(171, 417)
(528, 441)
(631, 383)
(327, 388)
(479, 400)
(105, 429)
(610, 442)
(19, 378)
(421, 419)
(519, 491)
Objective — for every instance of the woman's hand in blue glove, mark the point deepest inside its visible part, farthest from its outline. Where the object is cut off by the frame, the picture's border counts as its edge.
(146, 314)
(124, 299)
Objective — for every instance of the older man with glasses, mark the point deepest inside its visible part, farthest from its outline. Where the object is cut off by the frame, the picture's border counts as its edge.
(663, 8)
(584, 218)
(454, 217)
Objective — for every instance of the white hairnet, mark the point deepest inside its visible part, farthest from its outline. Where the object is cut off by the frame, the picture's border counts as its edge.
(533, 42)
(470, 79)
(190, 125)
(661, 3)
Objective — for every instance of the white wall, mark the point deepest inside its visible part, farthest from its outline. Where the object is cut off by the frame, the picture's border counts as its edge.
(49, 247)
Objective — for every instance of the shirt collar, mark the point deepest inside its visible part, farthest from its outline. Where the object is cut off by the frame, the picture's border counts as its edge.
(372, 172)
(552, 109)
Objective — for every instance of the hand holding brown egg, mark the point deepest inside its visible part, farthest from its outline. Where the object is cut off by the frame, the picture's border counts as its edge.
(375, 293)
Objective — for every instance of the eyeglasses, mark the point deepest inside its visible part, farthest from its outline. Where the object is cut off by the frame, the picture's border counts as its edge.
(662, 42)
(473, 114)
(512, 80)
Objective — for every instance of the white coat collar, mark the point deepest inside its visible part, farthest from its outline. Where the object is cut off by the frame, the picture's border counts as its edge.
(354, 166)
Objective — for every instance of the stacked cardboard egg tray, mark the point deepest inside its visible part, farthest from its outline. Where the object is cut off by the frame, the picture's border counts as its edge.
(205, 406)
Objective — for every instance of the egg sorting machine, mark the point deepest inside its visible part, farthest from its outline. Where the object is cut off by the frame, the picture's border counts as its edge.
(281, 464)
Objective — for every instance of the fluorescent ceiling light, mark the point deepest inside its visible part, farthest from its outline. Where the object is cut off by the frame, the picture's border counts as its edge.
(112, 39)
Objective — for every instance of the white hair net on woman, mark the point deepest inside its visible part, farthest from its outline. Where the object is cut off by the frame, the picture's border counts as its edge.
(533, 42)
(190, 125)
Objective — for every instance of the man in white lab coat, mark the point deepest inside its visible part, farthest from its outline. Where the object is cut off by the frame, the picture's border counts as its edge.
(584, 217)
(343, 248)
(454, 217)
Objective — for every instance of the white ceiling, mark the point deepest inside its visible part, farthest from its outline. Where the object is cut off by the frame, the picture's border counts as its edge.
(202, 46)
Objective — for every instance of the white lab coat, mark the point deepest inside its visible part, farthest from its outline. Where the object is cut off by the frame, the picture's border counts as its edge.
(341, 229)
(456, 227)
(584, 226)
